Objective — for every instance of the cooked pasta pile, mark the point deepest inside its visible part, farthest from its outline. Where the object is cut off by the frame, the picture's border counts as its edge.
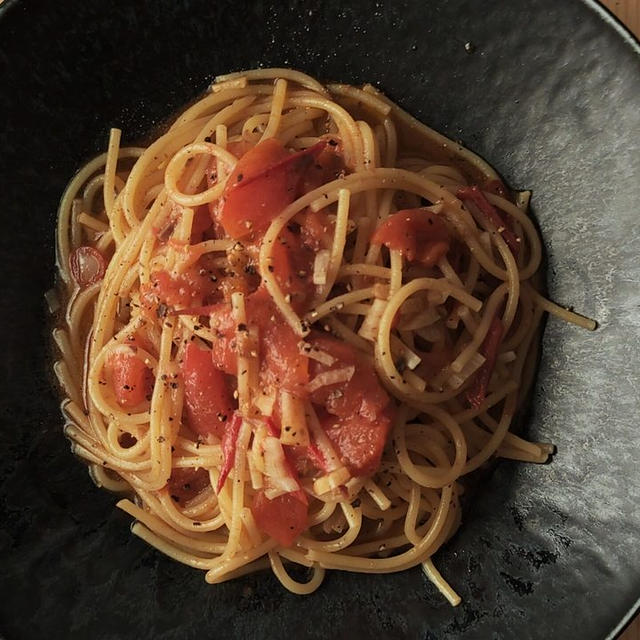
(293, 324)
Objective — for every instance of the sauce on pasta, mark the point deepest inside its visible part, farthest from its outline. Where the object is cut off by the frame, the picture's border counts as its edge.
(293, 323)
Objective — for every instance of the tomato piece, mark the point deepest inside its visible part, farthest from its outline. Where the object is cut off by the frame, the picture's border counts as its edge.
(356, 414)
(185, 484)
(197, 285)
(229, 443)
(265, 180)
(131, 379)
(361, 395)
(223, 348)
(328, 165)
(201, 223)
(359, 441)
(489, 349)
(292, 264)
(306, 459)
(419, 234)
(87, 266)
(208, 403)
(282, 365)
(284, 518)
(316, 229)
(502, 223)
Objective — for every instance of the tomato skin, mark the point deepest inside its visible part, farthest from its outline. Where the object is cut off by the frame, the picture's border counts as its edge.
(419, 234)
(130, 378)
(87, 266)
(359, 442)
(208, 403)
(292, 264)
(328, 165)
(229, 445)
(284, 518)
(250, 208)
(201, 224)
(266, 179)
(489, 349)
(502, 223)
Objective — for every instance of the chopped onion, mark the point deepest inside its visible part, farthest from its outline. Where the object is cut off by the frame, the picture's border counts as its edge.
(456, 380)
(331, 481)
(369, 328)
(264, 402)
(522, 199)
(331, 377)
(321, 266)
(259, 435)
(411, 359)
(279, 478)
(53, 301)
(321, 440)
(424, 318)
(411, 305)
(315, 354)
(433, 333)
(256, 475)
(294, 422)
(437, 297)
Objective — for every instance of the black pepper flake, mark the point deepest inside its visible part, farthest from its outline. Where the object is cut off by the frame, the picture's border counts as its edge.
(242, 327)
(270, 267)
(175, 498)
(356, 503)
(222, 417)
(197, 524)
(160, 439)
(207, 139)
(173, 385)
(333, 143)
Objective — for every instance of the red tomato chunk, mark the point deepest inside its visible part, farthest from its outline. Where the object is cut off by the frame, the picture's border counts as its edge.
(419, 234)
(130, 378)
(208, 403)
(284, 518)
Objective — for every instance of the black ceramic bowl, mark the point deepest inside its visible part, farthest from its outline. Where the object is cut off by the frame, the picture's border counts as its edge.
(550, 94)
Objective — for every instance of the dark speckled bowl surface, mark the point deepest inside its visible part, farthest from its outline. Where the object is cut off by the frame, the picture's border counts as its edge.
(551, 96)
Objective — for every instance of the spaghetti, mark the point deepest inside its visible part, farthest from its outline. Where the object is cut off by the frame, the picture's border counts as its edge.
(293, 323)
